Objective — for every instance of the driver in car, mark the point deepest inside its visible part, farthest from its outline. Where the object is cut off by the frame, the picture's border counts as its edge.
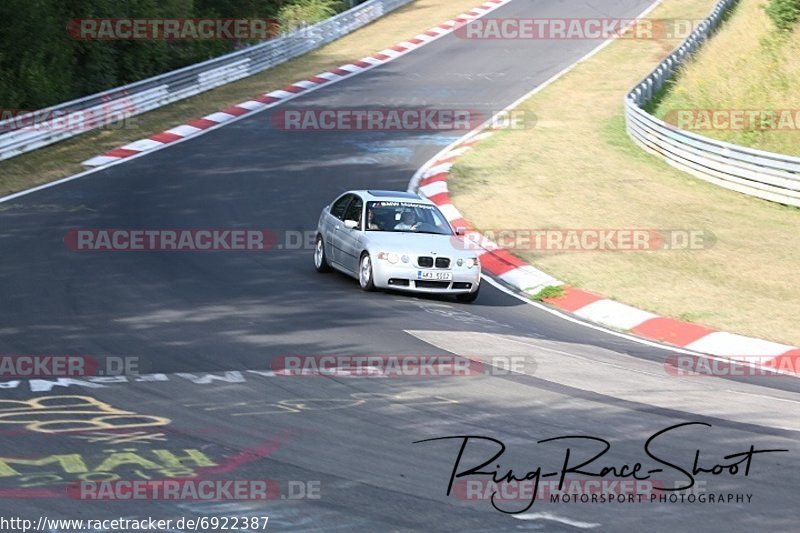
(371, 223)
(409, 221)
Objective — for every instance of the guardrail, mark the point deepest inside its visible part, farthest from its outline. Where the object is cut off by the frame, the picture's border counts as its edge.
(29, 132)
(766, 175)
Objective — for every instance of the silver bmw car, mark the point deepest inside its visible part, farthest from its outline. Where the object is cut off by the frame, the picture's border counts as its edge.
(395, 240)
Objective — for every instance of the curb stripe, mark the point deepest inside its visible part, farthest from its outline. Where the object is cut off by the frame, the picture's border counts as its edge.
(671, 331)
(440, 198)
(265, 99)
(196, 127)
(121, 153)
(235, 110)
(165, 137)
(202, 123)
(573, 299)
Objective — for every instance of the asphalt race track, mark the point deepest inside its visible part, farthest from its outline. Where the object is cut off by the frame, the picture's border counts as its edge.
(185, 315)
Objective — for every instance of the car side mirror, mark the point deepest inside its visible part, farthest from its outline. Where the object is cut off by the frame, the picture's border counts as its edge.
(461, 231)
(350, 224)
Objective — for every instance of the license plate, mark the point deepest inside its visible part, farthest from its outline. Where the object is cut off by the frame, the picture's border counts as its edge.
(437, 276)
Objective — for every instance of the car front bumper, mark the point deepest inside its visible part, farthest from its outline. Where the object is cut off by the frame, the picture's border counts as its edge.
(403, 276)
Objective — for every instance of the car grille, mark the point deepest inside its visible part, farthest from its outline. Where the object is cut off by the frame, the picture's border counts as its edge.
(432, 284)
(425, 261)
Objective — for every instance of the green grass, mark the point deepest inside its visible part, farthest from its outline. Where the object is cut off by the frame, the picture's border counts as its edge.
(579, 169)
(748, 65)
(551, 291)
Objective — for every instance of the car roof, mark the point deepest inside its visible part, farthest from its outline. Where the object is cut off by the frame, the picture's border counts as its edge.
(383, 195)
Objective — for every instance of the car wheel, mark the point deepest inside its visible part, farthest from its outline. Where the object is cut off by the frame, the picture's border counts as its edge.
(365, 273)
(469, 297)
(320, 259)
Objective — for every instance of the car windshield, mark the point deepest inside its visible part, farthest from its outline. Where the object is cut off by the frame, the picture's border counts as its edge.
(406, 217)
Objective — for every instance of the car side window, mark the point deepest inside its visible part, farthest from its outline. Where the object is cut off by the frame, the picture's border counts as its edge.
(338, 207)
(354, 210)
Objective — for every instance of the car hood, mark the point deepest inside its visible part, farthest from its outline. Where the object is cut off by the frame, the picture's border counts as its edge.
(417, 243)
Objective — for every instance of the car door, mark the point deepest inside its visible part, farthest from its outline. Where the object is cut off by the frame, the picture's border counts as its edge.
(333, 223)
(350, 239)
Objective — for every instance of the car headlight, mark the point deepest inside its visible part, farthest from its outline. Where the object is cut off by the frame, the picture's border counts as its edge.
(472, 261)
(389, 256)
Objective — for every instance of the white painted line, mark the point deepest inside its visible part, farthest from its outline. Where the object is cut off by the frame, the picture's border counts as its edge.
(478, 134)
(252, 105)
(305, 84)
(614, 314)
(219, 116)
(351, 68)
(438, 169)
(529, 279)
(439, 31)
(449, 211)
(142, 144)
(283, 95)
(481, 136)
(554, 518)
(424, 37)
(458, 151)
(184, 130)
(560, 314)
(391, 53)
(280, 93)
(373, 60)
(99, 161)
(483, 243)
(437, 187)
(328, 76)
(737, 346)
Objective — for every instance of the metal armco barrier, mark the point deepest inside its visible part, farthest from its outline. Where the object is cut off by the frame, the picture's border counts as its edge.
(47, 126)
(766, 175)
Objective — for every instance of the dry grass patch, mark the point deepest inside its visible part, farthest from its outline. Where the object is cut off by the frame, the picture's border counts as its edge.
(749, 65)
(64, 158)
(578, 169)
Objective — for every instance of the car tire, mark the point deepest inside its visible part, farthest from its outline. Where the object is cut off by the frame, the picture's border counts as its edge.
(320, 258)
(365, 278)
(469, 297)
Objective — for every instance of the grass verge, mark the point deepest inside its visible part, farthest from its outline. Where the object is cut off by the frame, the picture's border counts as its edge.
(551, 291)
(64, 158)
(577, 168)
(749, 65)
